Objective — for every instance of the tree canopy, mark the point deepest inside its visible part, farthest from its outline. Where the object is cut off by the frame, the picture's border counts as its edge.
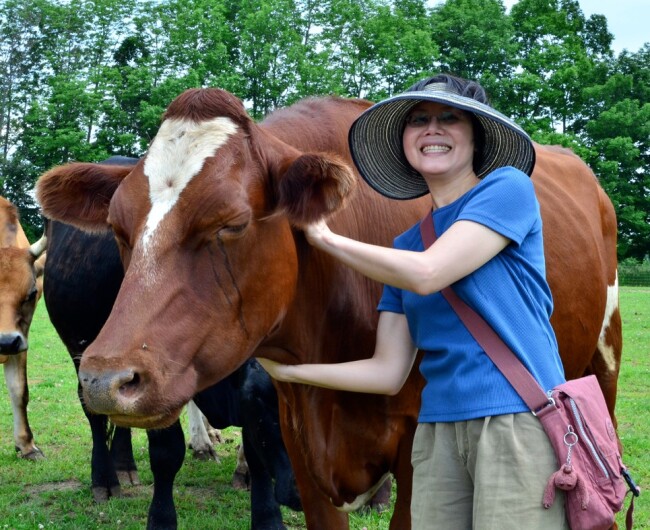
(83, 79)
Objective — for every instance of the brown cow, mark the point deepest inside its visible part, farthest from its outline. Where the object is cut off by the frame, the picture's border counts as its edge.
(21, 270)
(208, 227)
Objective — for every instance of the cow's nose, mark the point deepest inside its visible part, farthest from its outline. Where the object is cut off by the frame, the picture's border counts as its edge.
(110, 392)
(12, 343)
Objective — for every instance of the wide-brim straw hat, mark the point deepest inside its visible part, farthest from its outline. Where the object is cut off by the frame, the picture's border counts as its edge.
(375, 140)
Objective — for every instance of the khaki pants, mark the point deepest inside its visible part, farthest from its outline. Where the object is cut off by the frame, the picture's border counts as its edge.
(484, 474)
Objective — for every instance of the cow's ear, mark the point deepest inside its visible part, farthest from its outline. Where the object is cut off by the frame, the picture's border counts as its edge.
(314, 186)
(79, 194)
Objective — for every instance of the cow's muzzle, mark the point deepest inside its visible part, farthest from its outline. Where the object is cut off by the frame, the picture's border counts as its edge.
(110, 392)
(12, 343)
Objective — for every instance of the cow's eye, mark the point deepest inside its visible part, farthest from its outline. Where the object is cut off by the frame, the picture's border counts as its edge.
(232, 231)
(31, 296)
(122, 243)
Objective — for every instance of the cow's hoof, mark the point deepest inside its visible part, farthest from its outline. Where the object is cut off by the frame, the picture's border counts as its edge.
(215, 436)
(102, 494)
(287, 495)
(268, 525)
(205, 454)
(129, 477)
(33, 455)
(241, 481)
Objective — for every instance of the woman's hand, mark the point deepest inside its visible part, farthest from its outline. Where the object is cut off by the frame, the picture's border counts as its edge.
(383, 373)
(317, 232)
(274, 369)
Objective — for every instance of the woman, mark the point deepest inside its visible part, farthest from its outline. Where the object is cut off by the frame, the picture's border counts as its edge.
(480, 458)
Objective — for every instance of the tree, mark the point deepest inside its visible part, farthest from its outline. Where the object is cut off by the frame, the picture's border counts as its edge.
(403, 50)
(351, 54)
(475, 39)
(617, 128)
(270, 37)
(553, 55)
(21, 63)
(76, 43)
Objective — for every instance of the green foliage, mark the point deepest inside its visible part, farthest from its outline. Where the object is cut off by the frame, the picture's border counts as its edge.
(475, 40)
(617, 129)
(634, 272)
(83, 79)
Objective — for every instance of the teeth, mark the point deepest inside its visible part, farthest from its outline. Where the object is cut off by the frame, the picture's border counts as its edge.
(435, 149)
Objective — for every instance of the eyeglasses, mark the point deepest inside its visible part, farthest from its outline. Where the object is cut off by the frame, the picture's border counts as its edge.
(422, 118)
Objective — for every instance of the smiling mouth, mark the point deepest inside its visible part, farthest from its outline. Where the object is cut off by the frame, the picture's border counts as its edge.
(435, 149)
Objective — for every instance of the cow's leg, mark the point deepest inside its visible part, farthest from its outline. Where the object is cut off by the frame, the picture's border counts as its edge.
(200, 443)
(122, 455)
(265, 511)
(104, 481)
(261, 424)
(103, 476)
(15, 369)
(403, 475)
(241, 478)
(166, 454)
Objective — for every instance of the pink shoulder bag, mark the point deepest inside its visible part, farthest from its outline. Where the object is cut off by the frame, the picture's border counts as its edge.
(576, 420)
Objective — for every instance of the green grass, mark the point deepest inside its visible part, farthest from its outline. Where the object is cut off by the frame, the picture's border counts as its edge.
(55, 492)
(633, 400)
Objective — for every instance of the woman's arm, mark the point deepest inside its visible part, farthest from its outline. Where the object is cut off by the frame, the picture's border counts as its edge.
(384, 373)
(462, 249)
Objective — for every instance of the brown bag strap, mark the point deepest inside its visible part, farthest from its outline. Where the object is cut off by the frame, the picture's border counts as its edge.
(502, 356)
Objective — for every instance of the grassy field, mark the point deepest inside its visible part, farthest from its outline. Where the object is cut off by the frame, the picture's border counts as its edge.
(55, 492)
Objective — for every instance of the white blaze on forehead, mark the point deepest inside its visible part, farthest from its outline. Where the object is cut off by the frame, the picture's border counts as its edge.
(175, 156)
(606, 350)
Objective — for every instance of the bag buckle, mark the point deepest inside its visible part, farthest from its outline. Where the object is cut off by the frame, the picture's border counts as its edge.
(550, 402)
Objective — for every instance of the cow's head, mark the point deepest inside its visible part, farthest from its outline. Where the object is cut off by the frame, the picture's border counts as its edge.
(204, 227)
(20, 286)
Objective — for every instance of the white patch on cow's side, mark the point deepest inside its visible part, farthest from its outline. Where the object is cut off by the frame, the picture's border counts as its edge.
(362, 499)
(175, 156)
(606, 351)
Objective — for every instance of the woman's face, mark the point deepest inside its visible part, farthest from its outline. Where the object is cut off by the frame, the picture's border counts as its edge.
(438, 140)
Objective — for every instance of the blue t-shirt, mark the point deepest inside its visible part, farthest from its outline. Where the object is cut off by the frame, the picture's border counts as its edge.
(510, 292)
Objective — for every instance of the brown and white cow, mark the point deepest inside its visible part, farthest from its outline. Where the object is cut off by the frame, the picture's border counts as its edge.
(21, 270)
(208, 227)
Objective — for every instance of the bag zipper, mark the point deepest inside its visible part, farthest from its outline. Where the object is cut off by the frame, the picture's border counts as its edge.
(590, 445)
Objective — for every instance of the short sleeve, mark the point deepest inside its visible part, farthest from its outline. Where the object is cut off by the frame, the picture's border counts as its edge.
(391, 300)
(504, 202)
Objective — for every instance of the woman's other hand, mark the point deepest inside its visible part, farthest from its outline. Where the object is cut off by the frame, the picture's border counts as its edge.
(317, 232)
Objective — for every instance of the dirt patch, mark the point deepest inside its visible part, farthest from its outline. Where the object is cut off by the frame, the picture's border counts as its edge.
(66, 485)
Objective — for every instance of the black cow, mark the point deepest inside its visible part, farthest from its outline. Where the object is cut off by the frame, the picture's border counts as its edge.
(83, 273)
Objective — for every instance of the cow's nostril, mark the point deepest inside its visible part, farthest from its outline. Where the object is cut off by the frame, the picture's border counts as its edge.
(129, 388)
